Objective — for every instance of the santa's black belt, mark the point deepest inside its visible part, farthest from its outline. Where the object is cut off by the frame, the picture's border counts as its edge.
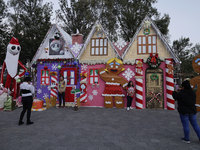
(25, 91)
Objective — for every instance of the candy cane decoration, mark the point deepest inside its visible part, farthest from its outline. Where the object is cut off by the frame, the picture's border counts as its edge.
(83, 87)
(139, 83)
(155, 96)
(54, 84)
(169, 85)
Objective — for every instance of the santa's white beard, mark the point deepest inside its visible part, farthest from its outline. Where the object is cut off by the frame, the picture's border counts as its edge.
(11, 63)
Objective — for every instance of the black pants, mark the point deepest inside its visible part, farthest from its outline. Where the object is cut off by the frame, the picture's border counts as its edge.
(129, 101)
(27, 105)
(61, 97)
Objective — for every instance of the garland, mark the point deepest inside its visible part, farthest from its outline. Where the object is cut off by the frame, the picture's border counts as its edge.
(153, 61)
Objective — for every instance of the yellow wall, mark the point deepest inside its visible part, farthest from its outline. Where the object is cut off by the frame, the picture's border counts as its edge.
(132, 52)
(86, 52)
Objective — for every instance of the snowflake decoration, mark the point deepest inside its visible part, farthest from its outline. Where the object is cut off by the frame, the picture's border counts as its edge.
(54, 66)
(83, 67)
(120, 44)
(45, 95)
(94, 92)
(128, 74)
(39, 91)
(90, 97)
(49, 87)
(76, 48)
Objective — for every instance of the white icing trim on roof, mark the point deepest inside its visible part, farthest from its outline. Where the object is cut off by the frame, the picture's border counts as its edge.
(174, 56)
(66, 37)
(93, 30)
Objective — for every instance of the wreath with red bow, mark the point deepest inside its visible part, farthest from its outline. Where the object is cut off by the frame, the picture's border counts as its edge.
(153, 60)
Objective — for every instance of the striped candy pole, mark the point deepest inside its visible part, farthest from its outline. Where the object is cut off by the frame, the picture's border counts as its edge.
(169, 84)
(83, 94)
(139, 83)
(54, 89)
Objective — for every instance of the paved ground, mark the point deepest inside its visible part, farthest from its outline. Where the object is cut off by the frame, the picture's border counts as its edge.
(95, 129)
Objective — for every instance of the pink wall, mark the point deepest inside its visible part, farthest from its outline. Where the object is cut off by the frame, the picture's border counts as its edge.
(98, 100)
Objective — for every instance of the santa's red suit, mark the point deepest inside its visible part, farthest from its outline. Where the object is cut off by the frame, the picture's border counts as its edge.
(11, 64)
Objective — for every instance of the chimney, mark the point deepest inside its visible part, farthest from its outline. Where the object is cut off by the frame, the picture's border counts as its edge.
(77, 38)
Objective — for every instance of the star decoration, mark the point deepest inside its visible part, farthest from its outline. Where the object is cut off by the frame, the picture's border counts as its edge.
(147, 24)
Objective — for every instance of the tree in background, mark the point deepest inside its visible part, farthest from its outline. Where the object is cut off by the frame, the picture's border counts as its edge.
(183, 49)
(76, 16)
(29, 24)
(118, 17)
(4, 31)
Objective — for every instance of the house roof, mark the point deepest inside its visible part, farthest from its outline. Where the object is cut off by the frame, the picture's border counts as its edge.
(66, 37)
(159, 34)
(93, 30)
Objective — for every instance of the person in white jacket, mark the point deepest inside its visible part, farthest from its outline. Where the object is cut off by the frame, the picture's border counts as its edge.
(27, 91)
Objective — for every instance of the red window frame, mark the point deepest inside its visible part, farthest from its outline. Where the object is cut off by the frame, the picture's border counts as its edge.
(75, 74)
(45, 77)
(93, 76)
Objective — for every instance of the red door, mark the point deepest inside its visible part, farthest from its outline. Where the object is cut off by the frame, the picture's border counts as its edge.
(68, 96)
(70, 77)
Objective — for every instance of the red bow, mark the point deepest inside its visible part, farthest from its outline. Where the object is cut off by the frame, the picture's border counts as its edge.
(153, 57)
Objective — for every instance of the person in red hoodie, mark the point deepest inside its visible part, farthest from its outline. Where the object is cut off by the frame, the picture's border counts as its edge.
(130, 92)
(186, 107)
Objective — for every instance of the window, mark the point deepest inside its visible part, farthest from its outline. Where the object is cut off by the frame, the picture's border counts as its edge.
(94, 76)
(70, 75)
(45, 77)
(99, 46)
(147, 44)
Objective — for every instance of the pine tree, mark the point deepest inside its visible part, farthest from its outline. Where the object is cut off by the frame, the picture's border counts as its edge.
(30, 23)
(4, 33)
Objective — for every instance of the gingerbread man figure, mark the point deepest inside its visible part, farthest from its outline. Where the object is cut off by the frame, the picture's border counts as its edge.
(112, 88)
(139, 65)
(171, 68)
(196, 80)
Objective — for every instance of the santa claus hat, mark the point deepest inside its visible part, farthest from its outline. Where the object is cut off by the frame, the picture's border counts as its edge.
(14, 41)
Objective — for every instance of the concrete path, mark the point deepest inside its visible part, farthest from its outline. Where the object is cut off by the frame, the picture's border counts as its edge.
(95, 129)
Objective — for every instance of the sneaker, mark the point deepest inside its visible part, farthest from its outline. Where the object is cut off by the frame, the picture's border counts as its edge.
(185, 141)
(128, 108)
(63, 106)
(131, 108)
(58, 107)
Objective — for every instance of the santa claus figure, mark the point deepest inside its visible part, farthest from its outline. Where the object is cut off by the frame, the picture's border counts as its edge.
(11, 64)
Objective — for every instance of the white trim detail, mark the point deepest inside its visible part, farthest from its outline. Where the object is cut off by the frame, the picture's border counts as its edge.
(125, 84)
(110, 83)
(113, 95)
(102, 72)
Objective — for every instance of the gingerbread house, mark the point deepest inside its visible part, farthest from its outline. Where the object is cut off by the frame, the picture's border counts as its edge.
(56, 57)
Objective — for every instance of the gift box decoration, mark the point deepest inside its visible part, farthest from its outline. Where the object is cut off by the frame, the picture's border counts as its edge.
(9, 104)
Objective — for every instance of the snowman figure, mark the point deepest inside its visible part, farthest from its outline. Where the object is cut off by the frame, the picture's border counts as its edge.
(11, 64)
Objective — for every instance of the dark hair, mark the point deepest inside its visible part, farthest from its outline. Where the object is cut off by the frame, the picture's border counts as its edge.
(129, 84)
(27, 79)
(61, 76)
(186, 84)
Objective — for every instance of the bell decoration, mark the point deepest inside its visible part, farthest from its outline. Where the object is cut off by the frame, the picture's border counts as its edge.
(75, 62)
(26, 73)
(58, 67)
(18, 80)
(34, 65)
(41, 62)
(45, 67)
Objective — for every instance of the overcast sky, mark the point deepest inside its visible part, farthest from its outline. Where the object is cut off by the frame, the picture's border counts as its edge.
(185, 19)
